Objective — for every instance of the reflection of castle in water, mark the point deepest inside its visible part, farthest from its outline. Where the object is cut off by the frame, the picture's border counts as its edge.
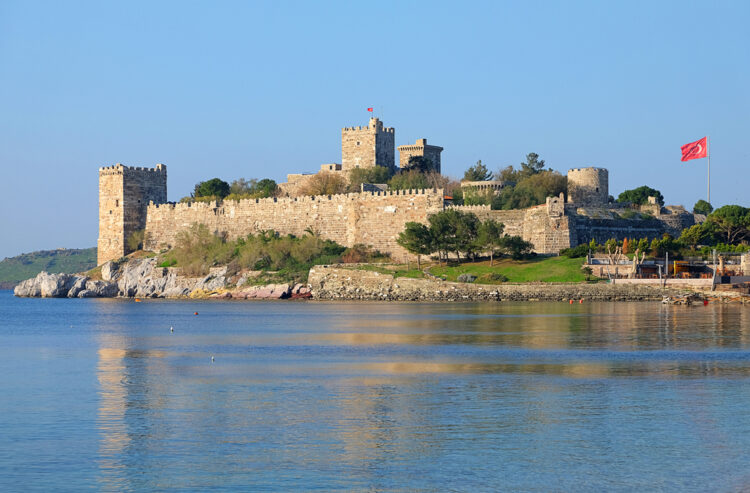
(386, 408)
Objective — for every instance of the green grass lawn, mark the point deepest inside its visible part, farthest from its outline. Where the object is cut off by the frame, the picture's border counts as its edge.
(545, 269)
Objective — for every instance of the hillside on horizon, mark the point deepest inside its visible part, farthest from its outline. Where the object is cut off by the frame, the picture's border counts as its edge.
(27, 265)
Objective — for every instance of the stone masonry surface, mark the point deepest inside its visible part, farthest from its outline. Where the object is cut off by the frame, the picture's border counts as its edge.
(365, 147)
(422, 149)
(124, 195)
(333, 283)
(371, 218)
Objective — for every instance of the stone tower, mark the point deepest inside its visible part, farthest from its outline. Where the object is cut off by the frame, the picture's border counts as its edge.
(124, 195)
(421, 148)
(365, 147)
(588, 187)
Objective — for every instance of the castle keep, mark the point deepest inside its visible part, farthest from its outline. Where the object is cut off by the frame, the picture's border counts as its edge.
(420, 149)
(365, 147)
(134, 199)
(124, 194)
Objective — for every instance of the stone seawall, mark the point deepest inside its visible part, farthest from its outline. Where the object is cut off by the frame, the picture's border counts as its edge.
(334, 283)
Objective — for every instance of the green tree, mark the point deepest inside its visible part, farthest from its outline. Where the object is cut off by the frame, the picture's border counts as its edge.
(640, 195)
(215, 187)
(253, 188)
(694, 235)
(531, 190)
(265, 188)
(421, 164)
(702, 207)
(417, 239)
(374, 174)
(730, 223)
(324, 183)
(643, 244)
(478, 172)
(409, 180)
(532, 165)
(489, 237)
(516, 247)
(453, 231)
(241, 186)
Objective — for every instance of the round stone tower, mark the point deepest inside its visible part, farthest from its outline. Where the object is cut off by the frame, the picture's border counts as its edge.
(588, 187)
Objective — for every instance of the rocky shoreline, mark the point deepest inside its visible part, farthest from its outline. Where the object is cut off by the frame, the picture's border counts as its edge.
(335, 283)
(143, 278)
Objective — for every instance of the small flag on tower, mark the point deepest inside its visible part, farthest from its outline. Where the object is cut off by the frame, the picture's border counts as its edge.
(369, 109)
(694, 150)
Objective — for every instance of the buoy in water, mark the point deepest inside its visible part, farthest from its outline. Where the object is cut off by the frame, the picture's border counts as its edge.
(571, 302)
(196, 313)
(580, 301)
(705, 302)
(212, 359)
(137, 300)
(171, 329)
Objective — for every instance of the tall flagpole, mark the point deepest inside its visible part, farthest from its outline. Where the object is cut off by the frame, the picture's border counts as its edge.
(708, 155)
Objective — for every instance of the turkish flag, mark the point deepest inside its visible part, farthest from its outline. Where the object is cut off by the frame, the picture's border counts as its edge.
(369, 109)
(695, 150)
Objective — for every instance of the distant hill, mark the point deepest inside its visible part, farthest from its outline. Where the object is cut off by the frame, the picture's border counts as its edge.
(16, 269)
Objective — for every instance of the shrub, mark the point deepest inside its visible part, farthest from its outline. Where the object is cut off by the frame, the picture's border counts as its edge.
(362, 253)
(576, 252)
(466, 278)
(494, 277)
(135, 240)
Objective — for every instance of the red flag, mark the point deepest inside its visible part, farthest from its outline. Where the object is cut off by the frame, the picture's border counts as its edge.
(694, 150)
(369, 109)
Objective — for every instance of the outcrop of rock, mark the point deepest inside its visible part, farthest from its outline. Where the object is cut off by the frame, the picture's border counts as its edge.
(143, 278)
(332, 283)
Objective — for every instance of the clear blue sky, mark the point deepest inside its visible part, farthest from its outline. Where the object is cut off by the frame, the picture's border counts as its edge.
(241, 89)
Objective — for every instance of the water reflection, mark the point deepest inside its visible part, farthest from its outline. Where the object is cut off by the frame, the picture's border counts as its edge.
(378, 396)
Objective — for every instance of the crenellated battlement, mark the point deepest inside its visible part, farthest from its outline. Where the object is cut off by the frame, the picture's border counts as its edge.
(365, 128)
(470, 208)
(313, 199)
(119, 169)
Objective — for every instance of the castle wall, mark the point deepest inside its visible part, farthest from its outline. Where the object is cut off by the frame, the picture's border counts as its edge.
(374, 219)
(602, 230)
(545, 226)
(124, 195)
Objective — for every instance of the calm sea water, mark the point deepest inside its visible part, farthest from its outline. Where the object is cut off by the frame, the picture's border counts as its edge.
(99, 395)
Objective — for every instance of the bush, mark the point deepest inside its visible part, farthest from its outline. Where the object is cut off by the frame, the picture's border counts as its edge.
(197, 249)
(362, 253)
(494, 277)
(135, 240)
(576, 252)
(466, 278)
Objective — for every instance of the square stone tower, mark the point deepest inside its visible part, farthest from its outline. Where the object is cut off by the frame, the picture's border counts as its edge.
(124, 195)
(365, 147)
(421, 148)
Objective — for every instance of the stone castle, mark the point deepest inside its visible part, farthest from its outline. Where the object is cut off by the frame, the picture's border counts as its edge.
(365, 147)
(134, 199)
